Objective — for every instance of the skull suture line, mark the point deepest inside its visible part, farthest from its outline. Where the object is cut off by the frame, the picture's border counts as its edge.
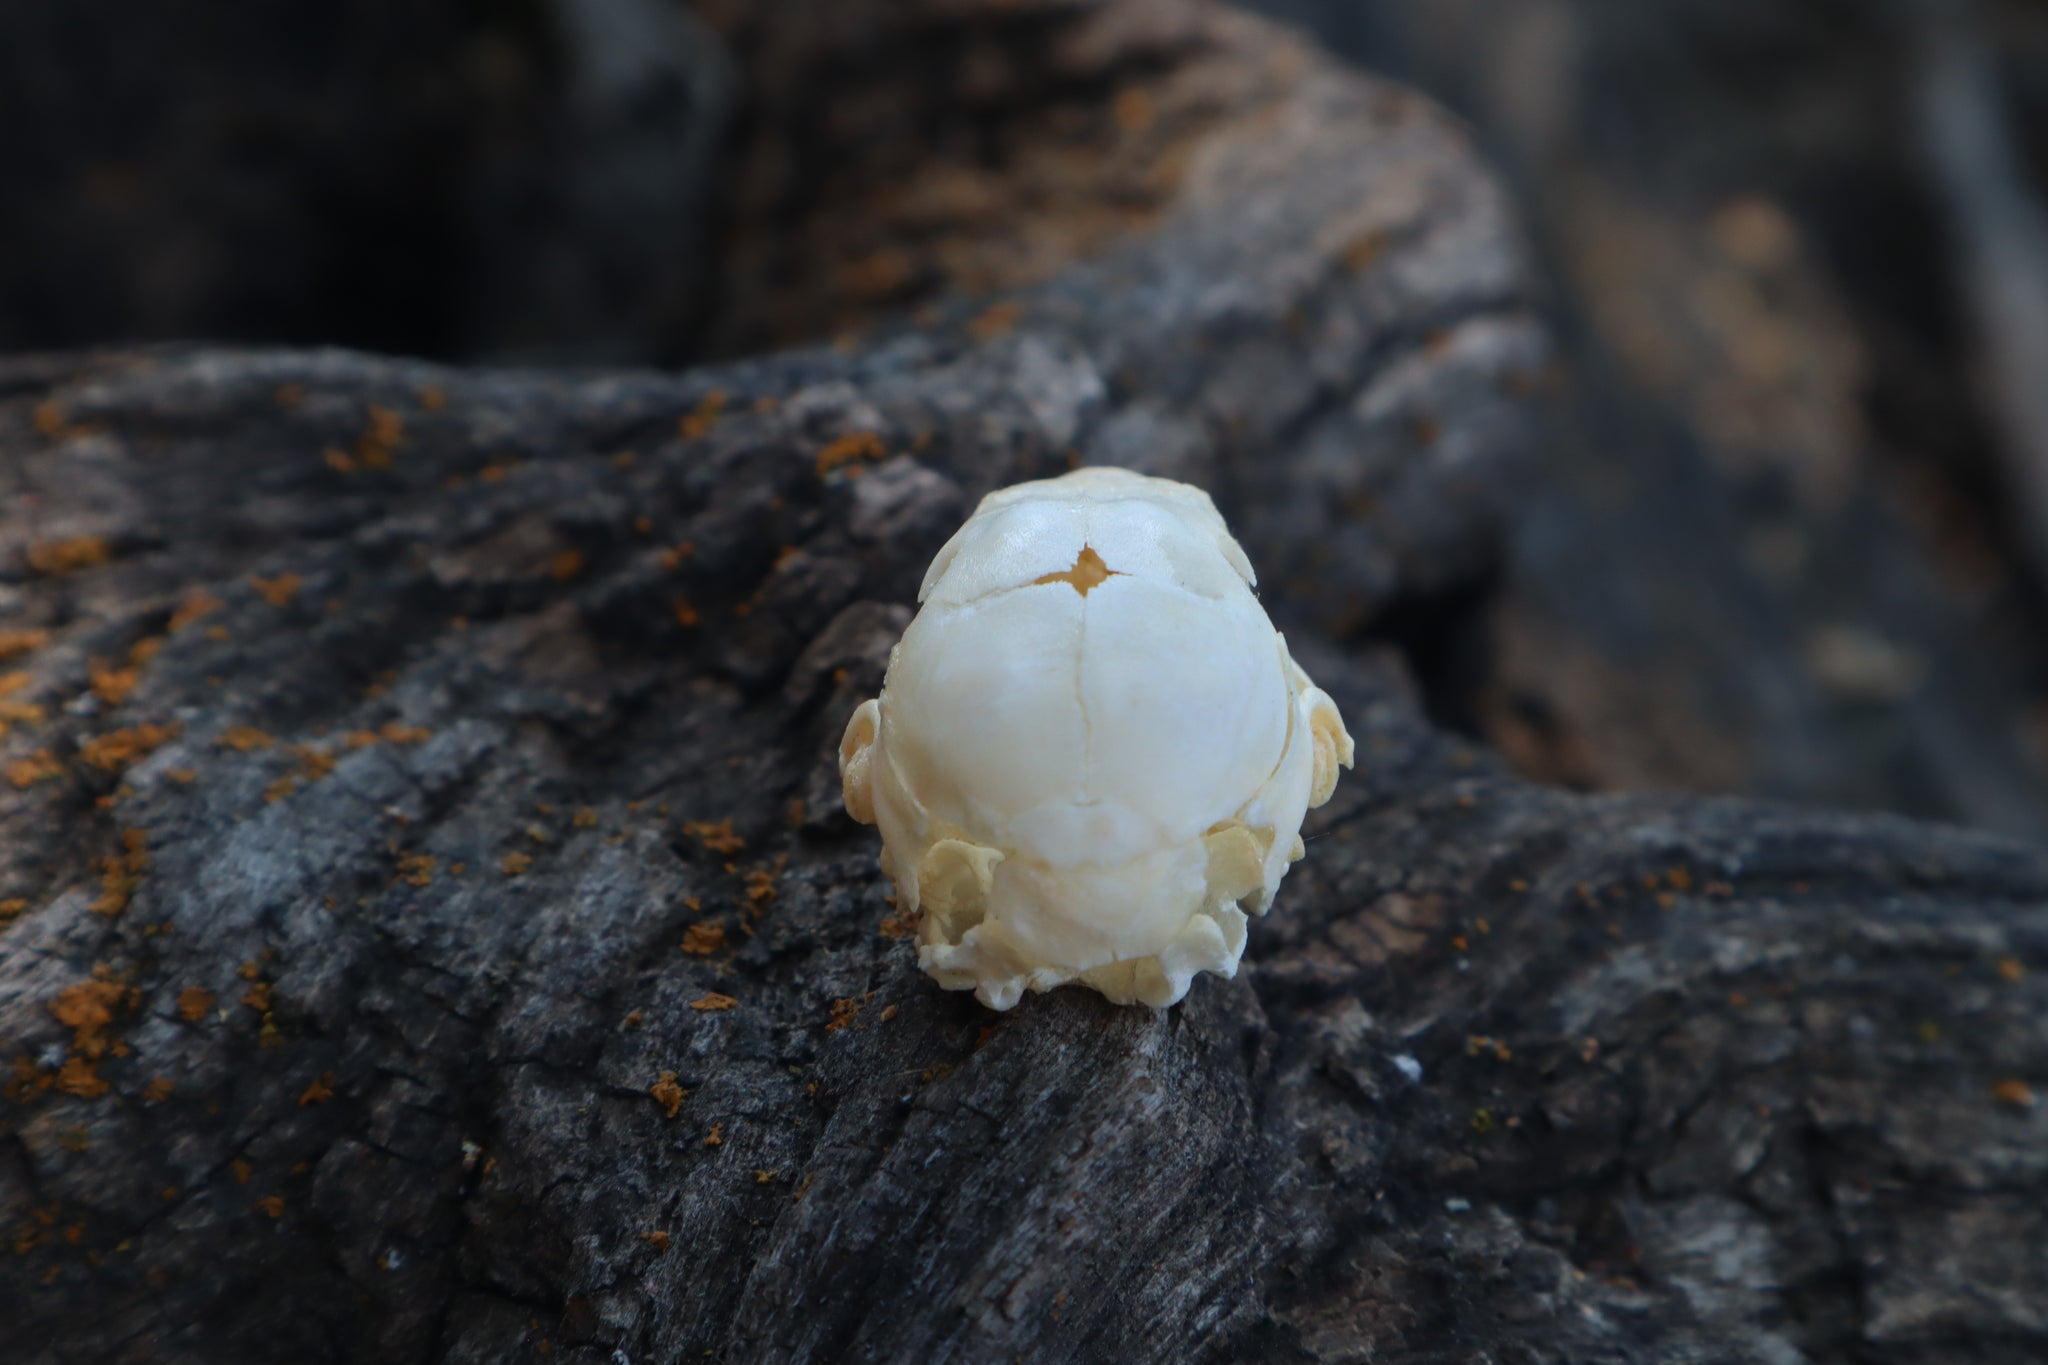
(1092, 747)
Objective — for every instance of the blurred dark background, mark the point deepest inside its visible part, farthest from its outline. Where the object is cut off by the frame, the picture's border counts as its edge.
(1791, 533)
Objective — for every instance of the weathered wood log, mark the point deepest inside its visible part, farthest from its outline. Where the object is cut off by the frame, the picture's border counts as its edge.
(431, 932)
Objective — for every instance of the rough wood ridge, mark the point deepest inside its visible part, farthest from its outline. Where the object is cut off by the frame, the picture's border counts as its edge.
(428, 930)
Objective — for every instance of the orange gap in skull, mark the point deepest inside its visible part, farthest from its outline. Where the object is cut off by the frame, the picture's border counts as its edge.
(1089, 571)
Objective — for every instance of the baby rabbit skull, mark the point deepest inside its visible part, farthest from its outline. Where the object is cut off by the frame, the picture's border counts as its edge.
(1092, 752)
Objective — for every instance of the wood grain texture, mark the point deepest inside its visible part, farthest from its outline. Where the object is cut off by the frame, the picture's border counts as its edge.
(438, 938)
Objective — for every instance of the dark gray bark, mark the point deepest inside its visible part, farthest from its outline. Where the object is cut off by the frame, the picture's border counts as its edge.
(387, 982)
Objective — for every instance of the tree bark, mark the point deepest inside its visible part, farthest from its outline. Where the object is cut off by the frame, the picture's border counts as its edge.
(432, 932)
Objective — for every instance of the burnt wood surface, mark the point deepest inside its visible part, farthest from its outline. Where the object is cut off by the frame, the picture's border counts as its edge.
(428, 930)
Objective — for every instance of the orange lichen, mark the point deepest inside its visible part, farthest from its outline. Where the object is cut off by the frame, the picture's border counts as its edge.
(118, 749)
(40, 766)
(674, 555)
(79, 1076)
(278, 590)
(713, 1001)
(289, 395)
(901, 925)
(193, 1003)
(2010, 969)
(855, 445)
(685, 614)
(121, 874)
(716, 1137)
(416, 869)
(319, 1092)
(844, 1012)
(56, 558)
(565, 565)
(717, 838)
(87, 1009)
(516, 864)
(259, 997)
(11, 907)
(433, 397)
(704, 939)
(49, 419)
(241, 1171)
(695, 424)
(338, 460)
(996, 320)
(668, 1094)
(272, 1204)
(377, 446)
(158, 1090)
(397, 732)
(657, 1239)
(244, 738)
(1133, 109)
(15, 643)
(888, 1013)
(584, 818)
(2014, 1092)
(761, 886)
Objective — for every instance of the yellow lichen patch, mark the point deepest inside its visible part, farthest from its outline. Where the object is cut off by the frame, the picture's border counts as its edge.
(244, 738)
(713, 1001)
(56, 558)
(157, 1091)
(15, 643)
(193, 1003)
(197, 603)
(1089, 572)
(668, 1094)
(584, 818)
(516, 864)
(121, 874)
(844, 1012)
(319, 1092)
(278, 590)
(996, 320)
(709, 409)
(704, 939)
(847, 449)
(119, 749)
(717, 838)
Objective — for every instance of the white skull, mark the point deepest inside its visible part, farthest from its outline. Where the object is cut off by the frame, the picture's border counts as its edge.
(1091, 746)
